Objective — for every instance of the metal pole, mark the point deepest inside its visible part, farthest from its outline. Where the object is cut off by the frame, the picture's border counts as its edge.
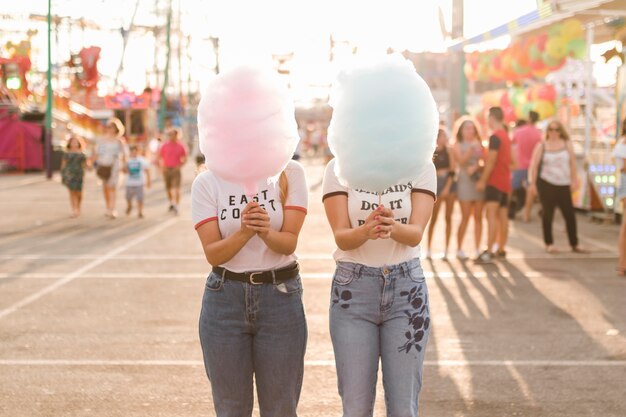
(457, 80)
(48, 130)
(125, 37)
(155, 32)
(179, 53)
(588, 90)
(163, 102)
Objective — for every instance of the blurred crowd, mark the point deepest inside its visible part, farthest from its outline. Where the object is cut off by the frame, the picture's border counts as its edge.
(109, 155)
(496, 176)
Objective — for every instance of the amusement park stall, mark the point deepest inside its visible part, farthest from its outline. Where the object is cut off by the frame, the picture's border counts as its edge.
(548, 67)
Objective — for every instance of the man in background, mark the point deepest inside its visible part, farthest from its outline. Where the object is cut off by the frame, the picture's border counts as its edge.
(496, 182)
(524, 141)
(172, 156)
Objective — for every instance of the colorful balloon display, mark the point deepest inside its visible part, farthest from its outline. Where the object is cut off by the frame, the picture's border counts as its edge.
(529, 58)
(517, 101)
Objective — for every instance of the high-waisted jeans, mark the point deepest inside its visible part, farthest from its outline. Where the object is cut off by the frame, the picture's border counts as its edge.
(379, 313)
(258, 330)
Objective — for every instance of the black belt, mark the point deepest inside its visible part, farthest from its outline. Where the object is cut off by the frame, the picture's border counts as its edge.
(264, 277)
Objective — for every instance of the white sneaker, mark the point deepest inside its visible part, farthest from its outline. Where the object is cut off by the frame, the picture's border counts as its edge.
(460, 255)
(484, 258)
(444, 255)
(427, 254)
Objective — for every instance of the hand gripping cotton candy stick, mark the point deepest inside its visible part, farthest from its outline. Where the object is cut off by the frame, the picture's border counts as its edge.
(247, 127)
(384, 126)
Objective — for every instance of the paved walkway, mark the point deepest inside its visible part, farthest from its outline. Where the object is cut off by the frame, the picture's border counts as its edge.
(99, 317)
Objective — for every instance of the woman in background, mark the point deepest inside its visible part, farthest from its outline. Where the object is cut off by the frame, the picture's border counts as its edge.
(108, 153)
(620, 162)
(73, 165)
(553, 175)
(445, 165)
(470, 156)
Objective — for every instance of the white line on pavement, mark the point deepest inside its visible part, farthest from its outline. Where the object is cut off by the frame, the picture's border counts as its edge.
(203, 274)
(80, 271)
(304, 257)
(313, 363)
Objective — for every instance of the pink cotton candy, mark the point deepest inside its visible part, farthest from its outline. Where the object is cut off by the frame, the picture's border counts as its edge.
(247, 127)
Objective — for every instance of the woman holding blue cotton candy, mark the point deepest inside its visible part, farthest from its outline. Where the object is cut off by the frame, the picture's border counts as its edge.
(378, 194)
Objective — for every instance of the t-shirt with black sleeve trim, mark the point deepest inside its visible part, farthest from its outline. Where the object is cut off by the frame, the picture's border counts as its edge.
(379, 252)
(494, 143)
(215, 199)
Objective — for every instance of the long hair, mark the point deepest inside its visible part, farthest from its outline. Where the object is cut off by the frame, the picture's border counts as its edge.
(461, 123)
(283, 184)
(562, 132)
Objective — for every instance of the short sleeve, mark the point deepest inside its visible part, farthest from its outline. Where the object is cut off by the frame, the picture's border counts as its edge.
(620, 150)
(298, 191)
(494, 143)
(331, 185)
(203, 200)
(426, 182)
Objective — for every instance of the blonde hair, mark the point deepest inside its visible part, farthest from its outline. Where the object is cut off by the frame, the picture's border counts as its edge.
(283, 184)
(562, 132)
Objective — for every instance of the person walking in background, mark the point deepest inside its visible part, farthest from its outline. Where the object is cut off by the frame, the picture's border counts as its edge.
(470, 157)
(553, 176)
(138, 170)
(446, 189)
(495, 181)
(153, 147)
(525, 139)
(620, 161)
(109, 157)
(73, 165)
(172, 156)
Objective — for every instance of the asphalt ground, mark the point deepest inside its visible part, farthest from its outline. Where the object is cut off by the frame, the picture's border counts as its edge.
(98, 317)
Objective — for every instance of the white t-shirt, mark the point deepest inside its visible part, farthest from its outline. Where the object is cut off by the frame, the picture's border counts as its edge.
(214, 199)
(379, 252)
(136, 168)
(620, 153)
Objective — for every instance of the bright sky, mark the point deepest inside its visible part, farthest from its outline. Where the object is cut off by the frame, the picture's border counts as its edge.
(250, 31)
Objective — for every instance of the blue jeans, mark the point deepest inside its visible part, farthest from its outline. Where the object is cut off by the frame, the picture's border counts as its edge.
(379, 313)
(258, 330)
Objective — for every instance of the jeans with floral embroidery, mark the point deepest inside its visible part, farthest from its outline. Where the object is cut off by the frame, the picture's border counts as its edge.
(253, 331)
(379, 314)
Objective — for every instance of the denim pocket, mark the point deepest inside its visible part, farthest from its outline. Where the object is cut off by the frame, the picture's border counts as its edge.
(343, 275)
(291, 286)
(214, 282)
(416, 274)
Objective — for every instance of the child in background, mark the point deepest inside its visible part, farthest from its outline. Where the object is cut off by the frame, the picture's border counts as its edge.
(72, 172)
(136, 167)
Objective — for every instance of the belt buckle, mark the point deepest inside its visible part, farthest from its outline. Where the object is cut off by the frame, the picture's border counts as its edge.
(251, 278)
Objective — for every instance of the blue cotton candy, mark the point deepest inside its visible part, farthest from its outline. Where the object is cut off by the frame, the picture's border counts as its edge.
(384, 126)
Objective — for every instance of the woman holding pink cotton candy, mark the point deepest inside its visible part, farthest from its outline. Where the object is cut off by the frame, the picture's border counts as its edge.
(248, 208)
